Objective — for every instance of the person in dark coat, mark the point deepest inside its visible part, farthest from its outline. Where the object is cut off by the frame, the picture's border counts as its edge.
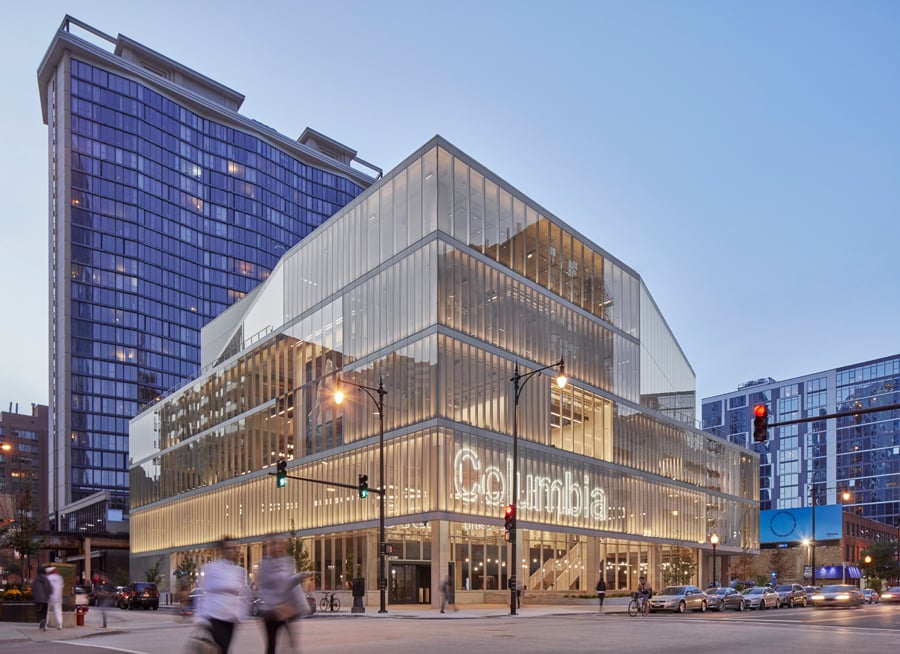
(40, 593)
(601, 592)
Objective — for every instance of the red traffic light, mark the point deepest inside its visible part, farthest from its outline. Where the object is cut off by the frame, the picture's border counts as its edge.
(509, 515)
(760, 423)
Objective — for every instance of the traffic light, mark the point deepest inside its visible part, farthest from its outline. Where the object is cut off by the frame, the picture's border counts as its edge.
(363, 486)
(281, 473)
(760, 423)
(509, 516)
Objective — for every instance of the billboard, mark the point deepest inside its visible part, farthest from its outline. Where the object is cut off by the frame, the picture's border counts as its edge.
(795, 525)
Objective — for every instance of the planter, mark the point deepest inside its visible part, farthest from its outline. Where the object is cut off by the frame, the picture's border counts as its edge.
(18, 612)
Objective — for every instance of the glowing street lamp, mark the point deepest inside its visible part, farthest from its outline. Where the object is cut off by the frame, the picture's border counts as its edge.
(519, 380)
(379, 404)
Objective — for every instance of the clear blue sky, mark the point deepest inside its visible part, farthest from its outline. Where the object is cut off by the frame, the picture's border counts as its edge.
(734, 154)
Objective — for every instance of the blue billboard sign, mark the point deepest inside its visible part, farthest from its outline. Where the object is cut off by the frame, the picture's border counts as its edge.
(795, 525)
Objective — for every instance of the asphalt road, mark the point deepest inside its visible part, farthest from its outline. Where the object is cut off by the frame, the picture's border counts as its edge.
(872, 629)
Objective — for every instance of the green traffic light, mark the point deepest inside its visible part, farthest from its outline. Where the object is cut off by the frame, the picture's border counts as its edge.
(282, 481)
(364, 493)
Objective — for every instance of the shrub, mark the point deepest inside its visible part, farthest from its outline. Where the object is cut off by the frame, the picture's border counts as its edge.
(14, 595)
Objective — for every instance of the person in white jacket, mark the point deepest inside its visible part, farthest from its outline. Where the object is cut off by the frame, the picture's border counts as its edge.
(283, 599)
(225, 598)
(56, 594)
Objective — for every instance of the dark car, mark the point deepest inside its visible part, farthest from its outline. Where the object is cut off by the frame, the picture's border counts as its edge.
(791, 595)
(725, 598)
(141, 594)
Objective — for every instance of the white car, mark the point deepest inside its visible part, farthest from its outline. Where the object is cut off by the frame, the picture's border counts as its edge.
(762, 597)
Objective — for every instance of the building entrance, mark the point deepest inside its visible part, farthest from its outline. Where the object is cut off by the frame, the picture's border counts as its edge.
(410, 582)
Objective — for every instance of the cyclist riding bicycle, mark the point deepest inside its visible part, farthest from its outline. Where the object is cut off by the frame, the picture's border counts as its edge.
(643, 593)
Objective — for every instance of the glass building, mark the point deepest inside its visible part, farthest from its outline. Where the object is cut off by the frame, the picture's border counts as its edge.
(166, 207)
(437, 281)
(822, 458)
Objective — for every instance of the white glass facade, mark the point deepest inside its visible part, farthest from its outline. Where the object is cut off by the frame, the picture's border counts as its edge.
(437, 281)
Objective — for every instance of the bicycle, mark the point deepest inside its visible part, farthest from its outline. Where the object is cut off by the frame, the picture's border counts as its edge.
(330, 602)
(637, 605)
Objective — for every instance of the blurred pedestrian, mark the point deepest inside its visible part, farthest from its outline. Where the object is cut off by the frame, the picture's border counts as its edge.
(40, 593)
(601, 592)
(224, 598)
(105, 593)
(447, 594)
(56, 594)
(281, 595)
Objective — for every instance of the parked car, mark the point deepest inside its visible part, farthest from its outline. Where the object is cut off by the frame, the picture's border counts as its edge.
(762, 597)
(838, 595)
(791, 595)
(679, 599)
(871, 595)
(810, 590)
(891, 595)
(81, 595)
(720, 599)
(141, 594)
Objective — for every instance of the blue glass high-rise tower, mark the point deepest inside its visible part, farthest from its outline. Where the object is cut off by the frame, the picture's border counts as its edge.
(166, 206)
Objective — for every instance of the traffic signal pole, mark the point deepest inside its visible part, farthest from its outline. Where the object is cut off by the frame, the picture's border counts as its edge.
(328, 483)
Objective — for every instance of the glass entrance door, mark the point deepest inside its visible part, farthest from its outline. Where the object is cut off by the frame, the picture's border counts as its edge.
(410, 583)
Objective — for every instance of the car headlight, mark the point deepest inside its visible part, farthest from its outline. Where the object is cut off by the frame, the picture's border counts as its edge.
(842, 596)
(818, 597)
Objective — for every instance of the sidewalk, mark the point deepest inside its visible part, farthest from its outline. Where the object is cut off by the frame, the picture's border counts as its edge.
(168, 617)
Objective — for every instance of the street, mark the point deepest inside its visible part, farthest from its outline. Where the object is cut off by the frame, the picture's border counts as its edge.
(541, 629)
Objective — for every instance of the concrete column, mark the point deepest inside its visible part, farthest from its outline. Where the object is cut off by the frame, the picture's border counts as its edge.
(440, 559)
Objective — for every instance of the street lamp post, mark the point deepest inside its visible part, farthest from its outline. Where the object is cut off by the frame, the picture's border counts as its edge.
(379, 404)
(868, 561)
(714, 541)
(519, 380)
(812, 540)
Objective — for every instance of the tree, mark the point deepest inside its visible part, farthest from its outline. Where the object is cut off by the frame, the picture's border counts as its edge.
(21, 529)
(780, 564)
(681, 568)
(298, 552)
(152, 574)
(742, 567)
(186, 572)
(884, 563)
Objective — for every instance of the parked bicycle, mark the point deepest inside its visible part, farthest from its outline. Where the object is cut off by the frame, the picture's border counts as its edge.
(638, 604)
(330, 602)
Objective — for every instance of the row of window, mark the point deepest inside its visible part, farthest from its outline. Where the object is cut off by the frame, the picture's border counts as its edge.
(110, 90)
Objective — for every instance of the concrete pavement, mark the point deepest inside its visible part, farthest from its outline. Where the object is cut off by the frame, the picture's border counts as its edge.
(123, 622)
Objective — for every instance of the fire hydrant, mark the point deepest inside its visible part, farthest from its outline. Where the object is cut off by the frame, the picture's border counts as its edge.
(79, 615)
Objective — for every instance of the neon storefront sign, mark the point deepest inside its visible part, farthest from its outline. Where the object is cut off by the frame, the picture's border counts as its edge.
(474, 482)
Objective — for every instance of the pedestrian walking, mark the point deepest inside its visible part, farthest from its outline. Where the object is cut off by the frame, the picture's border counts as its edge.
(40, 593)
(105, 593)
(601, 592)
(281, 595)
(224, 598)
(447, 594)
(56, 594)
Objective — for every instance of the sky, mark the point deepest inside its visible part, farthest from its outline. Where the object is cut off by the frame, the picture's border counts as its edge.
(743, 158)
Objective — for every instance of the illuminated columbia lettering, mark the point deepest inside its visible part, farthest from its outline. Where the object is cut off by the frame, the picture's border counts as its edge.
(562, 497)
